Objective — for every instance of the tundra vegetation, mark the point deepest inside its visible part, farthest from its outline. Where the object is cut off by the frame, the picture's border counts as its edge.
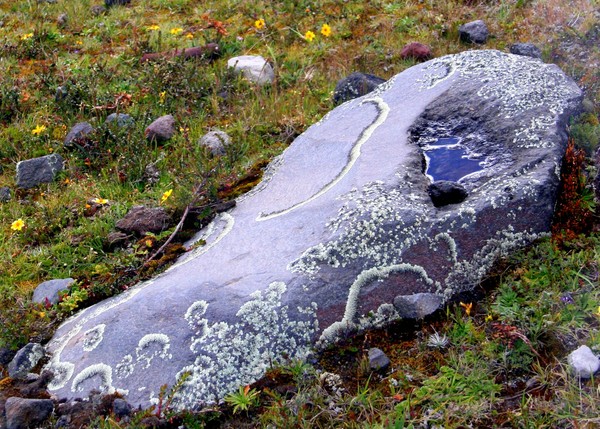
(498, 358)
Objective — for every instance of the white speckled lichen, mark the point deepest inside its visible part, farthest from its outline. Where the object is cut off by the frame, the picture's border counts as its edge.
(102, 372)
(152, 346)
(93, 337)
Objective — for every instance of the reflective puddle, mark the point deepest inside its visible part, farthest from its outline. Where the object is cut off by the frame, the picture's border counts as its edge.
(448, 160)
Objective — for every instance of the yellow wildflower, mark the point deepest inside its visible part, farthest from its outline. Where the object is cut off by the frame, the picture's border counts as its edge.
(309, 36)
(100, 201)
(162, 96)
(468, 307)
(17, 225)
(38, 130)
(26, 36)
(189, 36)
(153, 27)
(166, 196)
(175, 31)
(149, 243)
(259, 24)
(598, 311)
(489, 318)
(326, 30)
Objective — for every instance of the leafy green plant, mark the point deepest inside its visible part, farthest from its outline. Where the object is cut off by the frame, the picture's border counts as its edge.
(243, 400)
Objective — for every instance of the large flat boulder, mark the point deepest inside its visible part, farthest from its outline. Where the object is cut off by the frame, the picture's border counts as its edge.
(341, 228)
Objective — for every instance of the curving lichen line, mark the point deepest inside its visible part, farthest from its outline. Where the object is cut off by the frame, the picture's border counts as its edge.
(382, 112)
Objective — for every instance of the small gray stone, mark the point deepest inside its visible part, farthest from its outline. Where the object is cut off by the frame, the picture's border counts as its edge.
(474, 32)
(25, 360)
(78, 134)
(583, 362)
(6, 355)
(355, 85)
(526, 50)
(151, 174)
(417, 306)
(110, 3)
(254, 68)
(216, 141)
(98, 10)
(161, 129)
(377, 359)
(121, 408)
(60, 94)
(27, 413)
(33, 172)
(141, 220)
(116, 239)
(49, 290)
(444, 192)
(62, 20)
(4, 194)
(120, 119)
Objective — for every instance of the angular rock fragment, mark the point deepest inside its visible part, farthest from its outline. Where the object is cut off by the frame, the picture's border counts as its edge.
(254, 68)
(474, 32)
(27, 413)
(35, 171)
(48, 291)
(78, 135)
(25, 360)
(583, 362)
(526, 49)
(355, 85)
(162, 129)
(141, 220)
(215, 141)
(417, 51)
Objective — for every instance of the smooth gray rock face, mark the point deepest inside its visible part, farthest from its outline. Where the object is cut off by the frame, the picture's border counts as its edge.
(474, 32)
(378, 359)
(254, 68)
(24, 413)
(583, 362)
(25, 360)
(526, 49)
(216, 141)
(35, 171)
(162, 129)
(340, 226)
(49, 290)
(417, 306)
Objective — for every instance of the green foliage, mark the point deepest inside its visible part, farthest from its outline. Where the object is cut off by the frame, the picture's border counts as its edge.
(244, 399)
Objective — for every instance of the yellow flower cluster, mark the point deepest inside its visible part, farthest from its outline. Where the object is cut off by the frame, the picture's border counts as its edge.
(309, 36)
(153, 27)
(27, 36)
(17, 225)
(38, 130)
(259, 24)
(175, 31)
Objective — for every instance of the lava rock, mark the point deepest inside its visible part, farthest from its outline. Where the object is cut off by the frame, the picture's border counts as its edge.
(418, 305)
(121, 408)
(5, 195)
(6, 355)
(111, 3)
(162, 129)
(35, 171)
(25, 360)
(120, 119)
(444, 192)
(378, 359)
(254, 68)
(48, 290)
(583, 362)
(526, 49)
(141, 220)
(474, 32)
(216, 142)
(27, 413)
(78, 135)
(417, 51)
(355, 85)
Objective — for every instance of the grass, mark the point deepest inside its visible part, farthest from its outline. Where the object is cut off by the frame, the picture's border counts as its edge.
(504, 362)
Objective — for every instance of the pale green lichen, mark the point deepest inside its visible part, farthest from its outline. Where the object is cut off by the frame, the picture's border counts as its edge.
(93, 337)
(151, 346)
(62, 373)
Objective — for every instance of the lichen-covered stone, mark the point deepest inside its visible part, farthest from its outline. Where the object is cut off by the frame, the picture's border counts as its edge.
(254, 68)
(355, 85)
(340, 226)
(25, 360)
(215, 141)
(583, 362)
(5, 194)
(120, 119)
(35, 171)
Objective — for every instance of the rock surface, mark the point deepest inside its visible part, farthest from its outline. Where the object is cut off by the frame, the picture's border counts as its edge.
(355, 85)
(216, 141)
(5, 195)
(25, 360)
(35, 171)
(526, 49)
(24, 413)
(378, 359)
(444, 192)
(417, 51)
(120, 119)
(162, 129)
(254, 68)
(340, 226)
(474, 32)
(418, 305)
(583, 362)
(49, 290)
(141, 220)
(78, 134)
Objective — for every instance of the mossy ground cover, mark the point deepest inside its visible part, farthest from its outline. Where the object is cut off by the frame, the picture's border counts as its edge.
(54, 74)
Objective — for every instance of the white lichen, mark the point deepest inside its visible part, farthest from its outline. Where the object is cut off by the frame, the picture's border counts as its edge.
(151, 346)
(101, 371)
(93, 337)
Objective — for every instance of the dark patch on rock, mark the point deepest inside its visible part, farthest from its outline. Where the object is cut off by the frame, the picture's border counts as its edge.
(25, 360)
(141, 220)
(48, 290)
(78, 135)
(526, 49)
(417, 51)
(355, 85)
(26, 413)
(444, 192)
(5, 195)
(33, 172)
(121, 408)
(162, 129)
(378, 360)
(474, 32)
(6, 355)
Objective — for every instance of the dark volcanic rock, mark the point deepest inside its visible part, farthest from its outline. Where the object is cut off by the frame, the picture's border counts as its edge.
(141, 220)
(120, 119)
(24, 413)
(378, 359)
(339, 228)
(355, 85)
(35, 171)
(474, 32)
(526, 49)
(78, 135)
(417, 51)
(161, 129)
(4, 194)
(25, 360)
(444, 192)
(110, 3)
